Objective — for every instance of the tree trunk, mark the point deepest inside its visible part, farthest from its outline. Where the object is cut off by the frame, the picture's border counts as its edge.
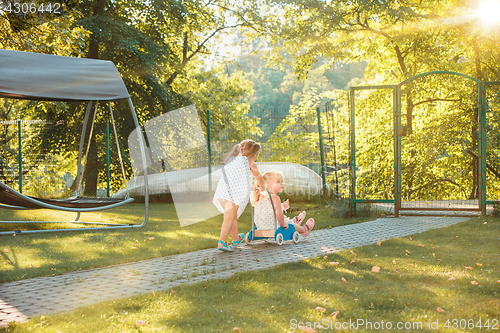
(91, 170)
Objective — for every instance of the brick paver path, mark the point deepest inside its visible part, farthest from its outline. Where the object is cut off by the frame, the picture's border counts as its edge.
(20, 300)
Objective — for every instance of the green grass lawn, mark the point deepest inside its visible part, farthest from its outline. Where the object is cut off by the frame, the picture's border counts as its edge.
(454, 269)
(54, 253)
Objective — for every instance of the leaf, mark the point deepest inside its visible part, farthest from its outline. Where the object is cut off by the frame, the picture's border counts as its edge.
(451, 279)
(439, 309)
(344, 280)
(474, 283)
(6, 250)
(468, 267)
(325, 257)
(421, 245)
(334, 315)
(375, 269)
(320, 309)
(394, 262)
(352, 262)
(140, 322)
(121, 248)
(236, 329)
(151, 238)
(354, 253)
(478, 264)
(410, 238)
(408, 252)
(308, 330)
(379, 243)
(334, 263)
(434, 255)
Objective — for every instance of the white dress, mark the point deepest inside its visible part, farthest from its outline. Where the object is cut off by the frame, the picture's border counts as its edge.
(238, 190)
(264, 215)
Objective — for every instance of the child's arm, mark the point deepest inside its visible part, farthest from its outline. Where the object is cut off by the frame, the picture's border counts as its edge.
(258, 177)
(279, 213)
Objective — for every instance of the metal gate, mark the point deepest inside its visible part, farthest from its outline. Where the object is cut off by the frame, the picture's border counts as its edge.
(437, 169)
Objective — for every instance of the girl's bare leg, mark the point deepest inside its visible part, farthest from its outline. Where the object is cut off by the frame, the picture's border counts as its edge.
(234, 228)
(303, 229)
(230, 213)
(300, 228)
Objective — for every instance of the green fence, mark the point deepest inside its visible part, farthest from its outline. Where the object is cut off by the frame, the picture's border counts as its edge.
(433, 155)
(310, 135)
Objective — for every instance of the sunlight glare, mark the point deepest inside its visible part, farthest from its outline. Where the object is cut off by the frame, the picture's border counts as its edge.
(489, 11)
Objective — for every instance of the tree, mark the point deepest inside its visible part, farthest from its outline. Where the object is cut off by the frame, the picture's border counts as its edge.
(42, 32)
(276, 89)
(154, 46)
(224, 96)
(398, 40)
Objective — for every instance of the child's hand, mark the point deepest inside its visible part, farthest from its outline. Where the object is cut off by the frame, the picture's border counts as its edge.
(286, 205)
(285, 226)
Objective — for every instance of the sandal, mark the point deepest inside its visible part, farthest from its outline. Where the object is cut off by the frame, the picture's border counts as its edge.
(309, 226)
(299, 218)
(238, 242)
(224, 247)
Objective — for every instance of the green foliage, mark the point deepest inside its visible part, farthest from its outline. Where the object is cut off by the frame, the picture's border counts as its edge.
(296, 137)
(496, 211)
(340, 207)
(407, 39)
(277, 87)
(45, 33)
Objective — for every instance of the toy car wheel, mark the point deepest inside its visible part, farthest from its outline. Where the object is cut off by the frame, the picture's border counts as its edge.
(247, 238)
(279, 239)
(295, 237)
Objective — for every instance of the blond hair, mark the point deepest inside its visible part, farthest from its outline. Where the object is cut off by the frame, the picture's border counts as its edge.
(255, 197)
(247, 147)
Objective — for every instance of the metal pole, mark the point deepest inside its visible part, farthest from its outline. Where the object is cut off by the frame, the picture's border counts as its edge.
(397, 149)
(322, 150)
(107, 155)
(209, 143)
(20, 156)
(482, 147)
(335, 151)
(352, 148)
(118, 145)
(142, 147)
(80, 149)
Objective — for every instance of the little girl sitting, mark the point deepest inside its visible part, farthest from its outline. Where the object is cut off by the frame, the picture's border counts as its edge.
(263, 211)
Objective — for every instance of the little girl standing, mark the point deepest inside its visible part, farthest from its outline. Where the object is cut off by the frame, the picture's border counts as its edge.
(233, 191)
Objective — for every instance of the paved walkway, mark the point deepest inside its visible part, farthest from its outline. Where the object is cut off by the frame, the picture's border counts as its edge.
(20, 300)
